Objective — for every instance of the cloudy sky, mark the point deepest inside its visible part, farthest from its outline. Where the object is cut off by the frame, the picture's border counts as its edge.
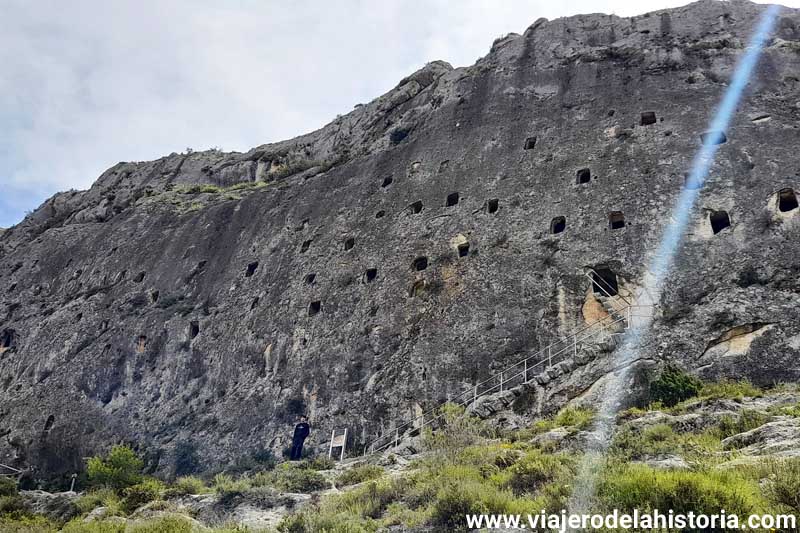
(85, 84)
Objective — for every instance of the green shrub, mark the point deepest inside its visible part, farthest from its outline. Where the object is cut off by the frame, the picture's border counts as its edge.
(137, 495)
(294, 478)
(322, 462)
(536, 469)
(661, 439)
(119, 469)
(77, 525)
(226, 486)
(457, 431)
(27, 524)
(8, 486)
(730, 390)
(358, 474)
(577, 417)
(783, 485)
(103, 497)
(186, 485)
(454, 501)
(169, 524)
(745, 421)
(628, 487)
(13, 507)
(674, 386)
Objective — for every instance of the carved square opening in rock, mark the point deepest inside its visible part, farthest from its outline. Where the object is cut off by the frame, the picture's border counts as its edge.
(530, 143)
(584, 175)
(719, 221)
(463, 249)
(558, 224)
(349, 243)
(251, 269)
(604, 282)
(452, 199)
(713, 137)
(420, 263)
(387, 181)
(787, 200)
(370, 275)
(616, 220)
(492, 206)
(194, 329)
(416, 207)
(314, 308)
(648, 117)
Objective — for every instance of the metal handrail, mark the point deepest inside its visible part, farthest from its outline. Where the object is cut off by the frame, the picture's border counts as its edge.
(470, 395)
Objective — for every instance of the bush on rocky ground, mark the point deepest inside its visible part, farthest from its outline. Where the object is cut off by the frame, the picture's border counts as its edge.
(118, 469)
(673, 386)
(358, 474)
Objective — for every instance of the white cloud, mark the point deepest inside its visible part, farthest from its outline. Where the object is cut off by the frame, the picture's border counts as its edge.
(85, 84)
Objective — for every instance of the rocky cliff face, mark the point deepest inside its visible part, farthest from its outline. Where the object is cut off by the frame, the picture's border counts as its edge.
(193, 305)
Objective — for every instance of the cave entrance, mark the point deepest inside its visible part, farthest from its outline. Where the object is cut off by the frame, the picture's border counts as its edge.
(584, 175)
(719, 221)
(558, 224)
(492, 206)
(370, 275)
(463, 249)
(604, 282)
(314, 308)
(420, 263)
(452, 199)
(787, 200)
(416, 207)
(251, 269)
(530, 143)
(648, 117)
(616, 220)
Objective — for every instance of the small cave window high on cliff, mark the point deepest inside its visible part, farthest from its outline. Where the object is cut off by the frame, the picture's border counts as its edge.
(616, 220)
(416, 207)
(310, 278)
(420, 263)
(380, 214)
(492, 206)
(787, 200)
(139, 277)
(349, 243)
(463, 249)
(452, 199)
(370, 275)
(584, 175)
(558, 224)
(719, 221)
(530, 143)
(194, 329)
(387, 181)
(604, 282)
(7, 340)
(713, 137)
(141, 343)
(48, 424)
(648, 118)
(314, 308)
(305, 246)
(251, 269)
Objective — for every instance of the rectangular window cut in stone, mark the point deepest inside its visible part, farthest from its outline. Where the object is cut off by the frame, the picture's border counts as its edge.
(314, 308)
(648, 117)
(584, 175)
(452, 199)
(558, 224)
(616, 220)
(530, 143)
(251, 269)
(370, 275)
(416, 207)
(787, 200)
(463, 249)
(492, 206)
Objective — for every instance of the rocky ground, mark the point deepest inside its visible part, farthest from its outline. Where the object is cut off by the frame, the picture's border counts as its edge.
(744, 442)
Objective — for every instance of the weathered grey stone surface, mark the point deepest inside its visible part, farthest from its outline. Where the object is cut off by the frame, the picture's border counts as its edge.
(180, 321)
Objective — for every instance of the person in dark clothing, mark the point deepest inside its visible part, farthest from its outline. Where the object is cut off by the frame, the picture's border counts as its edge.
(301, 431)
